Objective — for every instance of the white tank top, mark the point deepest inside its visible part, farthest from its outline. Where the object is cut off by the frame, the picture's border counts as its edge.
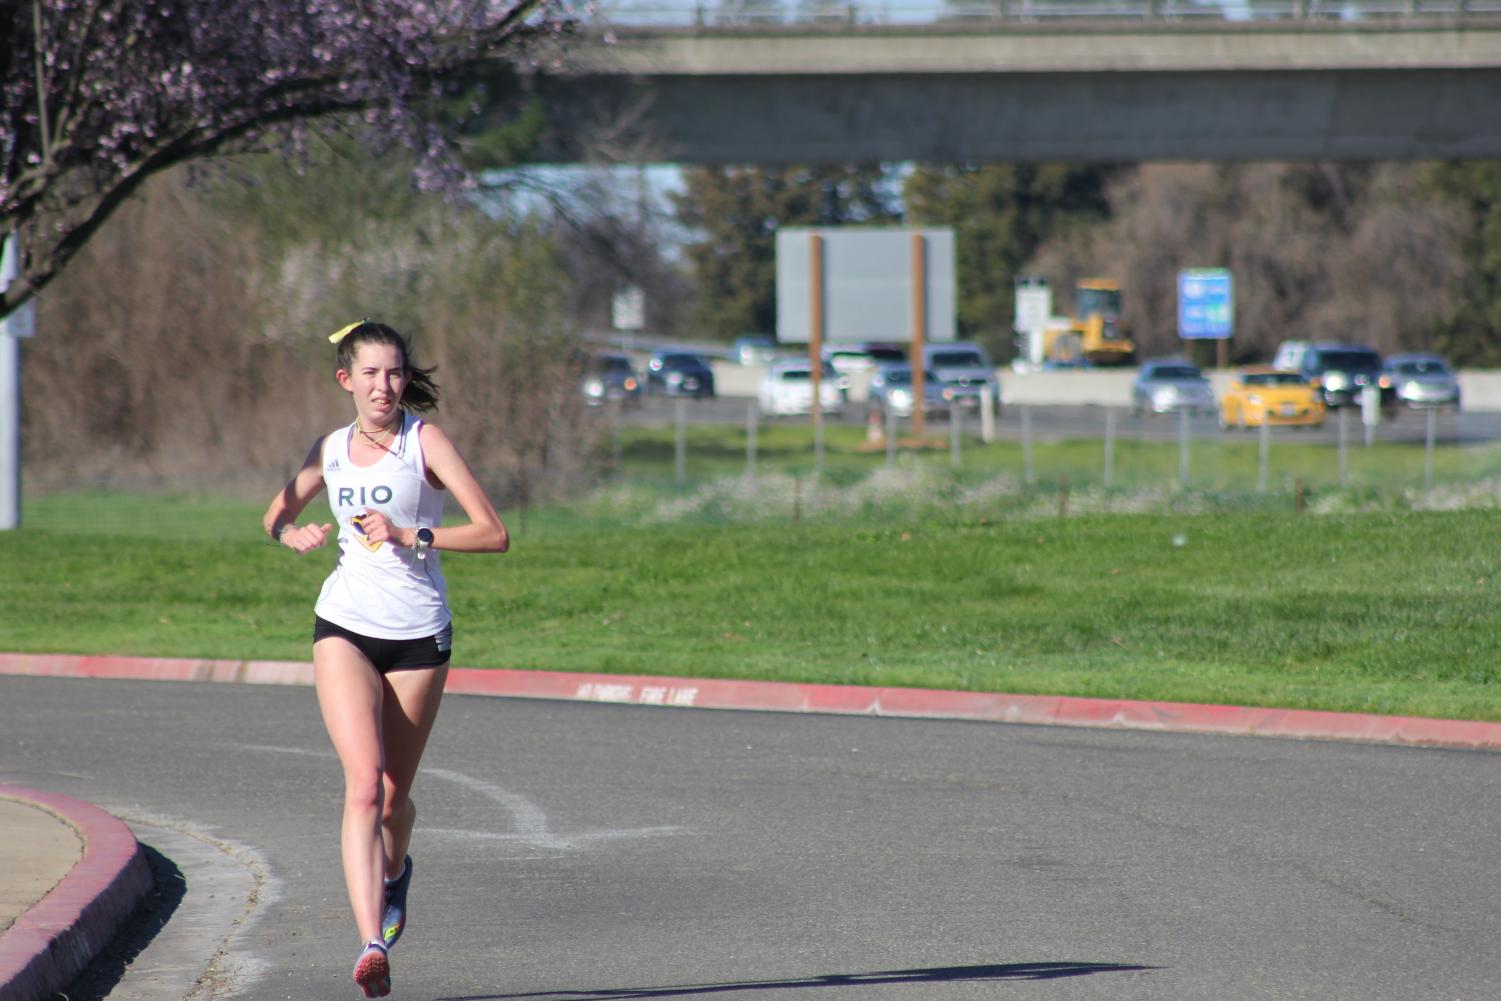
(385, 592)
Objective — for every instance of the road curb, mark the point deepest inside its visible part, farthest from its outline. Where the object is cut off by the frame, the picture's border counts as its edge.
(775, 696)
(50, 944)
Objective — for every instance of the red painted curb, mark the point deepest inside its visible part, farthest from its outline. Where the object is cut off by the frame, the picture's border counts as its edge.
(255, 672)
(709, 693)
(980, 706)
(52, 942)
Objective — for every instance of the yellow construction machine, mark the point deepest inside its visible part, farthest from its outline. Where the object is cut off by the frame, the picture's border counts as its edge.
(1093, 335)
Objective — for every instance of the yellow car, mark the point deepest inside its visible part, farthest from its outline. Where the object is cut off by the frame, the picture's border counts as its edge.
(1270, 396)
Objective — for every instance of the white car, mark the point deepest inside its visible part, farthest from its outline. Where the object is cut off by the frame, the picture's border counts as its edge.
(787, 388)
(863, 356)
(753, 350)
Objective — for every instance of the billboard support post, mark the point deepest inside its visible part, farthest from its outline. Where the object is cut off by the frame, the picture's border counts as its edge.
(919, 331)
(815, 343)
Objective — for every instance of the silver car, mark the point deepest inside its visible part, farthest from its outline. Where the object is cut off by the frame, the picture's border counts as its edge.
(964, 368)
(1168, 385)
(891, 389)
(1423, 380)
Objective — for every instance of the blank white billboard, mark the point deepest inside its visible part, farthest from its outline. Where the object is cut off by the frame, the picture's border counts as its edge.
(867, 279)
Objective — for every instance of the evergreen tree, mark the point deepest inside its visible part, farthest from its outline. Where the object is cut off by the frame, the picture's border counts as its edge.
(1000, 215)
(736, 212)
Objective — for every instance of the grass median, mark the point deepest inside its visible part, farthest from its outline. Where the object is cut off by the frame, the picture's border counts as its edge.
(1214, 460)
(1391, 612)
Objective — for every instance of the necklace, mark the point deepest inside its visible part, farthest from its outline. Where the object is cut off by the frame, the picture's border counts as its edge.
(376, 438)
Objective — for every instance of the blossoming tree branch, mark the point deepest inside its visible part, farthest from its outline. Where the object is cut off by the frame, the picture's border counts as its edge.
(98, 95)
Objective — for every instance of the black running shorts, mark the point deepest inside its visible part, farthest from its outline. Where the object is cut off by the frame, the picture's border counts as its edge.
(392, 655)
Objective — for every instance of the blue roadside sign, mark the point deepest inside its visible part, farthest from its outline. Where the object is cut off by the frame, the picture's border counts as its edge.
(1206, 305)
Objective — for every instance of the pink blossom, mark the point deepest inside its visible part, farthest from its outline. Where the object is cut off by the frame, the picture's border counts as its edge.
(141, 84)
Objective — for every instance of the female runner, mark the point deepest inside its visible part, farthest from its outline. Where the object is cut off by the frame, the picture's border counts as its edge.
(382, 631)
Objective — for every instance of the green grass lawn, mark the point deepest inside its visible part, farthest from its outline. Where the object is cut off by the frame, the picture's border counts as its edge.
(1216, 461)
(1392, 612)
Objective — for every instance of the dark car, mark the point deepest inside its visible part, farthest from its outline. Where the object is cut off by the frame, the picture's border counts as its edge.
(1341, 372)
(679, 373)
(610, 377)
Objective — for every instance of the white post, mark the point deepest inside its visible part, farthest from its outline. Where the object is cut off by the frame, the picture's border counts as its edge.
(987, 416)
(10, 432)
(12, 328)
(1370, 412)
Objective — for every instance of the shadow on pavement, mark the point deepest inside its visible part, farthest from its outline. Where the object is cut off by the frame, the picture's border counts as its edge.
(102, 975)
(936, 975)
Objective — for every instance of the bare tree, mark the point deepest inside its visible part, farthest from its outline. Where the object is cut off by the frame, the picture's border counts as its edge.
(1317, 251)
(200, 359)
(611, 231)
(128, 400)
(1396, 281)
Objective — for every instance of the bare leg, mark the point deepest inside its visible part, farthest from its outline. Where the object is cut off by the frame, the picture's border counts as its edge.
(409, 709)
(351, 698)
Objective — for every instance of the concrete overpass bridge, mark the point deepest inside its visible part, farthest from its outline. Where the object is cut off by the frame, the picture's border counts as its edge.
(1031, 80)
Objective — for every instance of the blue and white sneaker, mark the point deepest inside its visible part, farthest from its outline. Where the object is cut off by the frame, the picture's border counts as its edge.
(394, 920)
(372, 971)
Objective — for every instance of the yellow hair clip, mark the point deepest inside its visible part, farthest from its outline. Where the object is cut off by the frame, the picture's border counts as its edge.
(343, 332)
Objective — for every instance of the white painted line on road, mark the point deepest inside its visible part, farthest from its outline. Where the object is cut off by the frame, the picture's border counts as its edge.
(568, 842)
(530, 823)
(305, 752)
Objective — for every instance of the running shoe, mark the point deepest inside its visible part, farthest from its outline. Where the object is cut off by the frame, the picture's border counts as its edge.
(372, 971)
(394, 920)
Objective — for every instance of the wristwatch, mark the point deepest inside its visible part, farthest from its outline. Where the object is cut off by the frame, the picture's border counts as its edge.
(423, 540)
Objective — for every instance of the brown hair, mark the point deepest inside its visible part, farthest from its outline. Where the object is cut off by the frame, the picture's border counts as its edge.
(421, 393)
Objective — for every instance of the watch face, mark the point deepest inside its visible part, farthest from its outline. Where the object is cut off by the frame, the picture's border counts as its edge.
(425, 536)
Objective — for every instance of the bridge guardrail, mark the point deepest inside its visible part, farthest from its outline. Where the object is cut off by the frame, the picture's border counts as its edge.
(837, 13)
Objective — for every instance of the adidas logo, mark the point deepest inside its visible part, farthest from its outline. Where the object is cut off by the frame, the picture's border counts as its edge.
(333, 466)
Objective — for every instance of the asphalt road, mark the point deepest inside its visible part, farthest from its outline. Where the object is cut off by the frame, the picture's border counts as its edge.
(583, 851)
(1083, 422)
